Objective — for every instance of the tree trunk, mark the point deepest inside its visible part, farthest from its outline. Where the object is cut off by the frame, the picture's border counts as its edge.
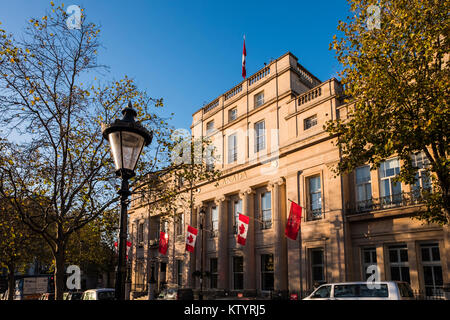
(59, 273)
(11, 282)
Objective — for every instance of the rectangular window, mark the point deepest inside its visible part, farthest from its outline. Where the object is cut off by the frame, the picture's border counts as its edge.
(214, 221)
(310, 122)
(237, 208)
(315, 198)
(390, 191)
(398, 261)
(266, 210)
(179, 224)
(210, 127)
(232, 114)
(232, 148)
(179, 273)
(165, 226)
(213, 273)
(260, 136)
(317, 266)
(369, 258)
(140, 233)
(259, 99)
(238, 273)
(422, 178)
(267, 271)
(363, 188)
(432, 269)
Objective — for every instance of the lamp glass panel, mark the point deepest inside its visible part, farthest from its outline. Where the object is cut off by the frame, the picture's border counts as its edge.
(132, 144)
(114, 140)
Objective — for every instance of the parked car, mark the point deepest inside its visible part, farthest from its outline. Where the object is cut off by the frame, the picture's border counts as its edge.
(176, 294)
(99, 294)
(47, 296)
(383, 290)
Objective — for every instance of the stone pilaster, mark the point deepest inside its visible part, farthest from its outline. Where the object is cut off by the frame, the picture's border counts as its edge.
(279, 223)
(222, 237)
(248, 209)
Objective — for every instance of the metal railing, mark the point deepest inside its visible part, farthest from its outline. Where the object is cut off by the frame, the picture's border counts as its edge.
(429, 294)
(391, 201)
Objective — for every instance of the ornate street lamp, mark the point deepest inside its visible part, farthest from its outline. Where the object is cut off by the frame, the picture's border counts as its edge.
(127, 139)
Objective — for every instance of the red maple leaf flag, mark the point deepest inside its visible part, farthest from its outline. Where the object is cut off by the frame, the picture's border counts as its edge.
(242, 229)
(128, 248)
(163, 242)
(293, 223)
(191, 235)
(244, 54)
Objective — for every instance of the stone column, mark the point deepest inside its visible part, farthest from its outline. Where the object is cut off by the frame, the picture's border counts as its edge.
(413, 265)
(248, 209)
(279, 223)
(222, 245)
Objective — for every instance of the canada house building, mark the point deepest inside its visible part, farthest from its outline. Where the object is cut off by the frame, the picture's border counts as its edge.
(268, 132)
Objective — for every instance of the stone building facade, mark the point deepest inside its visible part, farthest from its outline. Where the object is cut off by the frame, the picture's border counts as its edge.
(268, 132)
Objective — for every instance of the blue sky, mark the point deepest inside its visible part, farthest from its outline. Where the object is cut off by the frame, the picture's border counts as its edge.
(189, 52)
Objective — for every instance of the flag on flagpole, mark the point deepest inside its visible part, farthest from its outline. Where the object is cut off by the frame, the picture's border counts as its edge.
(190, 238)
(163, 242)
(242, 229)
(244, 54)
(128, 248)
(293, 223)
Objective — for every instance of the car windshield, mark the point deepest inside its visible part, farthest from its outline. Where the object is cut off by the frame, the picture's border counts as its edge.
(105, 295)
(322, 292)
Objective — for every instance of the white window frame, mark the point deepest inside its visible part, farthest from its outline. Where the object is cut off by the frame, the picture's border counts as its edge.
(310, 122)
(266, 223)
(260, 136)
(259, 99)
(232, 114)
(209, 127)
(232, 148)
(365, 202)
(389, 199)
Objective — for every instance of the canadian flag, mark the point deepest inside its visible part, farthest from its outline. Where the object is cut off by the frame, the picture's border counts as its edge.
(244, 54)
(128, 247)
(163, 242)
(190, 238)
(293, 223)
(242, 229)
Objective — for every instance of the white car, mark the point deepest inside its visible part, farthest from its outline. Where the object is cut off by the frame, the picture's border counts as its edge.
(383, 290)
(99, 294)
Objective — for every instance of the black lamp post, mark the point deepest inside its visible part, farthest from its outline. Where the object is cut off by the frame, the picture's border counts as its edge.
(202, 215)
(127, 138)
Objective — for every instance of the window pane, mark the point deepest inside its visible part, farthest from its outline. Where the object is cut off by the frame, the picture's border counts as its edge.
(395, 274)
(317, 256)
(435, 254)
(393, 256)
(425, 254)
(405, 274)
(404, 255)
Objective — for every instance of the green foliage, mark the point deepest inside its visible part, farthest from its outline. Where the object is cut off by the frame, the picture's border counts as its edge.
(397, 79)
(49, 92)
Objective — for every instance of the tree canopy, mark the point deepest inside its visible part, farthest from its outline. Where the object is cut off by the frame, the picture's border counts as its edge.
(396, 76)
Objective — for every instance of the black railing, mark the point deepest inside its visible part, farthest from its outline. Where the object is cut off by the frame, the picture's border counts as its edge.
(429, 294)
(392, 201)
